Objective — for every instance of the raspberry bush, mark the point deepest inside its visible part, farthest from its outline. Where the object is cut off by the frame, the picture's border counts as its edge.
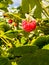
(24, 33)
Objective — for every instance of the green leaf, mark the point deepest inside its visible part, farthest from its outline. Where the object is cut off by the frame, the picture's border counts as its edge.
(4, 61)
(41, 57)
(4, 26)
(30, 4)
(9, 1)
(23, 40)
(11, 34)
(14, 63)
(46, 47)
(40, 41)
(17, 43)
(4, 4)
(19, 51)
(47, 37)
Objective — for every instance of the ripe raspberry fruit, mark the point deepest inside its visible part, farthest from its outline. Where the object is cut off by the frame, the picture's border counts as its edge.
(28, 26)
(10, 21)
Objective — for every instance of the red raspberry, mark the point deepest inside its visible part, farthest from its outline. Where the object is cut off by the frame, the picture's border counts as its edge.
(28, 26)
(10, 21)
